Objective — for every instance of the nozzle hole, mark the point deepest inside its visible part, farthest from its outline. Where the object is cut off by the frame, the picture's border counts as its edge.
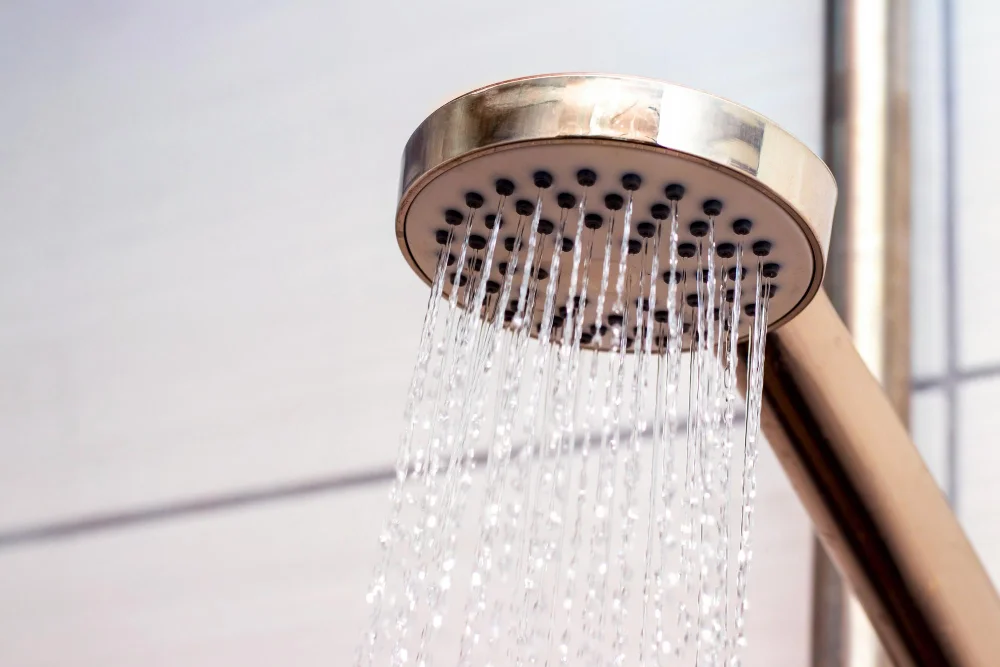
(473, 199)
(631, 182)
(762, 248)
(504, 187)
(672, 276)
(586, 177)
(524, 207)
(646, 230)
(699, 228)
(543, 179)
(674, 191)
(566, 200)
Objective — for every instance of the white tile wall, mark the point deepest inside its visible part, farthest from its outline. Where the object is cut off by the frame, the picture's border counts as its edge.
(197, 237)
(278, 585)
(284, 584)
(977, 95)
(979, 422)
(974, 52)
(196, 248)
(928, 206)
(929, 429)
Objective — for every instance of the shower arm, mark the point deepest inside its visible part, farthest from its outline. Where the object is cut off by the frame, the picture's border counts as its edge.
(877, 510)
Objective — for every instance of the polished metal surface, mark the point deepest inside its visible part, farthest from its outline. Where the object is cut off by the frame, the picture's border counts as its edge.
(876, 508)
(868, 271)
(614, 124)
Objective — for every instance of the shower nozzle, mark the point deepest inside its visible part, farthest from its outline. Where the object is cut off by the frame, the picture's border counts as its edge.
(595, 150)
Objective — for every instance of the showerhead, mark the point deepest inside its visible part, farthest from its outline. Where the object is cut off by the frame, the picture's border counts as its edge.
(572, 153)
(597, 213)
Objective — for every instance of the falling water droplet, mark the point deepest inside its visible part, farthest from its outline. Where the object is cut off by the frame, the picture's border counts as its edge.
(603, 531)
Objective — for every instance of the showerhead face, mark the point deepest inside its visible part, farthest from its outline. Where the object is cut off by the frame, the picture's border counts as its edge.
(614, 165)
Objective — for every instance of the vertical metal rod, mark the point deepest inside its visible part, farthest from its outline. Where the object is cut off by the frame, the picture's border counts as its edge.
(867, 144)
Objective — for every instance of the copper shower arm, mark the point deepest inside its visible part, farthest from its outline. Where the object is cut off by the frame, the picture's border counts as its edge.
(875, 506)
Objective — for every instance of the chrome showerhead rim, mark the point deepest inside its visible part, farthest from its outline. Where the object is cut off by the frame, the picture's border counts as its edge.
(642, 115)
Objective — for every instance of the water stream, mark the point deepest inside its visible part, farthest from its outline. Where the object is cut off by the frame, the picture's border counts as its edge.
(611, 523)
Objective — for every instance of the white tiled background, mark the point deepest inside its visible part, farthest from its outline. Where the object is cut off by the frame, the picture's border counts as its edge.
(206, 329)
(956, 357)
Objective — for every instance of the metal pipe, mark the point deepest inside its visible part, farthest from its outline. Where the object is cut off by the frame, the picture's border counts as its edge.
(876, 508)
(867, 144)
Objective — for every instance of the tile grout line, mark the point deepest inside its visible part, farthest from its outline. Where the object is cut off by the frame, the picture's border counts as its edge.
(950, 264)
(121, 520)
(959, 375)
(111, 521)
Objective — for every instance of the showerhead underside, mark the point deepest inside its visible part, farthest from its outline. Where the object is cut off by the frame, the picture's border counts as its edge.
(587, 147)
